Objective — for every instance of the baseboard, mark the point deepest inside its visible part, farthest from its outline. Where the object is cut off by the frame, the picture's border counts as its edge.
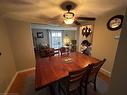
(104, 71)
(10, 84)
(14, 77)
(29, 69)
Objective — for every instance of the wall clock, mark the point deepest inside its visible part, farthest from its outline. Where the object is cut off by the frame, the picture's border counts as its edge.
(115, 22)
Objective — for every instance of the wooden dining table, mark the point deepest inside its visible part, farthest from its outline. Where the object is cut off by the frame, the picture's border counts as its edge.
(52, 69)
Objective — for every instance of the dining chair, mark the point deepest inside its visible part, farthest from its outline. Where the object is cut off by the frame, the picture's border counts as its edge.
(52, 52)
(71, 84)
(64, 51)
(91, 75)
(55, 51)
(49, 52)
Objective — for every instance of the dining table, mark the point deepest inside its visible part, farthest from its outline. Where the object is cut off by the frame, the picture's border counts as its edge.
(54, 68)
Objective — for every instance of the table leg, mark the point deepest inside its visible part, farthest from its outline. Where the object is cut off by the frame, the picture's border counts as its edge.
(52, 90)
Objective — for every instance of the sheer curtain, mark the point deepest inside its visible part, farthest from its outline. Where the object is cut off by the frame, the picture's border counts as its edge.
(55, 38)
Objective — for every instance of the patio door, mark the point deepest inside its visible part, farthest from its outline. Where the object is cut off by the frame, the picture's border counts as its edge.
(55, 38)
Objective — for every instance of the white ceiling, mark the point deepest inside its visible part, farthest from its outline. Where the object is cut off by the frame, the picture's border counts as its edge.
(48, 11)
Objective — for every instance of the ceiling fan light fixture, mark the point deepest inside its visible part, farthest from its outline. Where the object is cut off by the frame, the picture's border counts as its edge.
(68, 18)
(68, 21)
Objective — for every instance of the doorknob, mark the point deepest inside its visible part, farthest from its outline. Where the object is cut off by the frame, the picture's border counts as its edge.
(0, 53)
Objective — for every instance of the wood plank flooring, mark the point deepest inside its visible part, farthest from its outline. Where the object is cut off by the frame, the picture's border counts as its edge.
(19, 84)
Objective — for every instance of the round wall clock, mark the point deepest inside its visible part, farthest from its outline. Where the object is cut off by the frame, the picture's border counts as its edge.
(115, 22)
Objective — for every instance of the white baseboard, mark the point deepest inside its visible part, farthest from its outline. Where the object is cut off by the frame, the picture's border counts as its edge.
(14, 77)
(10, 84)
(104, 71)
(29, 69)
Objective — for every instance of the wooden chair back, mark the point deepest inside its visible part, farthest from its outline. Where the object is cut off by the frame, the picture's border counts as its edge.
(93, 70)
(56, 51)
(64, 50)
(74, 79)
(50, 52)
(72, 82)
(91, 75)
(76, 75)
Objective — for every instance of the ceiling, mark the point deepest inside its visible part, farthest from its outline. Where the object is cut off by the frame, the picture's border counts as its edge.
(48, 11)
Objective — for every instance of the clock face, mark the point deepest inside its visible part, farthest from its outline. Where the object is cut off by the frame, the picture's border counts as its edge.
(115, 22)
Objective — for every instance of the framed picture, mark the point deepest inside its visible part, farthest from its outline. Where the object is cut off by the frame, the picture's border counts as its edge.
(40, 35)
(86, 31)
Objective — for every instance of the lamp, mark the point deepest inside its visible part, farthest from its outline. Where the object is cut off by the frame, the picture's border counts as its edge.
(66, 40)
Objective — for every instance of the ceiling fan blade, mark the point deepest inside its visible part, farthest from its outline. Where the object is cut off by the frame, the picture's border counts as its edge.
(56, 17)
(49, 18)
(86, 18)
(76, 22)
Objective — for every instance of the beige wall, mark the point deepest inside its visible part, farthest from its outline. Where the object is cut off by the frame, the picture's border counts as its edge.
(21, 42)
(104, 44)
(70, 35)
(81, 37)
(7, 66)
(119, 77)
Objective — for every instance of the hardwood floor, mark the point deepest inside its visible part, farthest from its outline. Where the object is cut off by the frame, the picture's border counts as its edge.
(24, 84)
(20, 83)
(104, 77)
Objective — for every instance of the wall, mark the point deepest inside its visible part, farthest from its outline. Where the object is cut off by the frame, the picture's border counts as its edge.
(119, 77)
(44, 40)
(104, 44)
(70, 35)
(7, 66)
(81, 37)
(20, 35)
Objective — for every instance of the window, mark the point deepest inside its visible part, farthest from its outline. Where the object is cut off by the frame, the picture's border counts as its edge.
(55, 39)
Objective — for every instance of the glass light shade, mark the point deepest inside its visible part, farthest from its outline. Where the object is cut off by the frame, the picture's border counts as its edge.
(69, 18)
(68, 21)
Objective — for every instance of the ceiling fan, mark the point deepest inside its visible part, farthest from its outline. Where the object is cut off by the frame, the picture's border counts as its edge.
(60, 19)
(69, 17)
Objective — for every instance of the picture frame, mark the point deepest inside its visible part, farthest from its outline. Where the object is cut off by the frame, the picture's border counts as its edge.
(40, 35)
(86, 31)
